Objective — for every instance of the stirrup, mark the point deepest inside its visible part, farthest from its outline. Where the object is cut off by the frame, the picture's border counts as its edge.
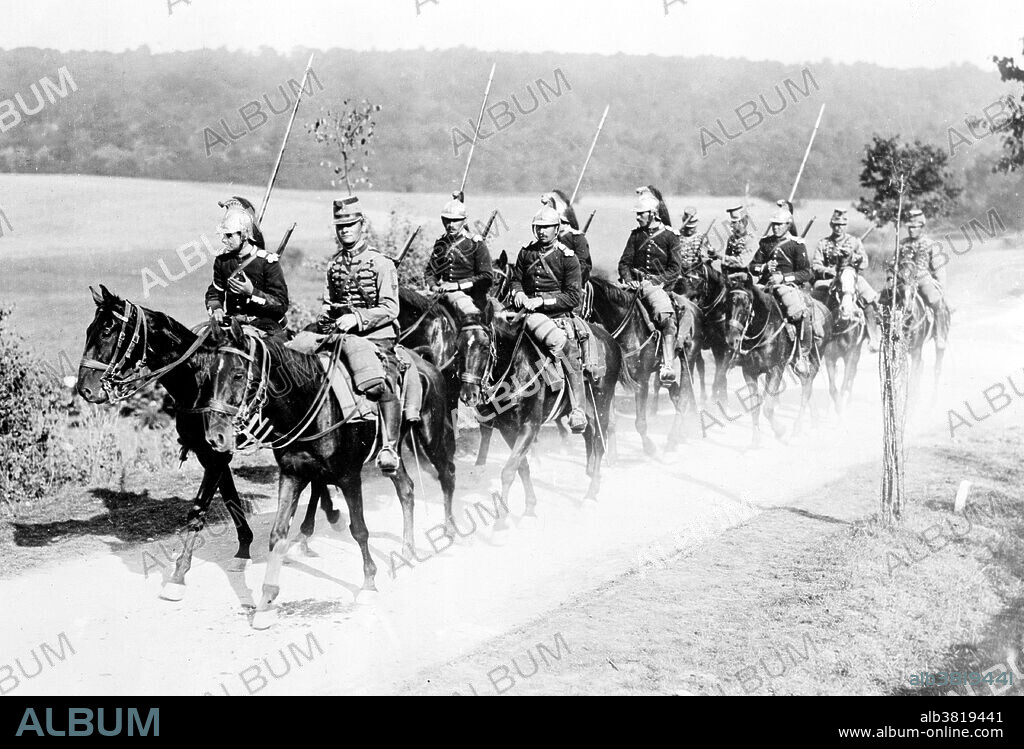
(388, 458)
(577, 421)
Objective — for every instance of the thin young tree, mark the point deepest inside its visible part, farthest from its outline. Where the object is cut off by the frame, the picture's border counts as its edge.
(348, 133)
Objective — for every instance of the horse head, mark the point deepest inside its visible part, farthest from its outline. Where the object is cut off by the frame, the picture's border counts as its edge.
(502, 286)
(906, 281)
(111, 345)
(739, 309)
(844, 290)
(230, 371)
(474, 351)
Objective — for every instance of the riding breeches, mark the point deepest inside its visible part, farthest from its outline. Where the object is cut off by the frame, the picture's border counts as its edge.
(659, 305)
(852, 282)
(386, 352)
(929, 290)
(463, 307)
(792, 301)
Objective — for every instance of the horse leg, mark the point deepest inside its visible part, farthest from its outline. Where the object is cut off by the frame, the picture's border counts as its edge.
(486, 430)
(437, 438)
(642, 391)
(831, 358)
(773, 386)
(755, 411)
(288, 491)
(406, 497)
(326, 504)
(351, 484)
(174, 588)
(721, 382)
(680, 402)
(233, 502)
(698, 362)
(309, 521)
(519, 440)
(850, 370)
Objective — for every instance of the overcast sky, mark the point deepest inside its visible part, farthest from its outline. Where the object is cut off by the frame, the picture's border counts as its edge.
(895, 33)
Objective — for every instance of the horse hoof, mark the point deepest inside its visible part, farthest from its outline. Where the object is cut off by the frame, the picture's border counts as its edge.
(264, 619)
(237, 564)
(334, 517)
(172, 591)
(367, 597)
(338, 526)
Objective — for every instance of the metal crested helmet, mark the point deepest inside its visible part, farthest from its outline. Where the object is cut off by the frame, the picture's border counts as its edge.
(237, 220)
(662, 211)
(558, 200)
(782, 216)
(546, 216)
(454, 209)
(238, 203)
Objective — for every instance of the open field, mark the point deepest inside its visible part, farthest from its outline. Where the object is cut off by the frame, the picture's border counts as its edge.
(110, 229)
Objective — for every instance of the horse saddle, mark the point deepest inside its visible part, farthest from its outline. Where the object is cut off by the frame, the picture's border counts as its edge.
(354, 372)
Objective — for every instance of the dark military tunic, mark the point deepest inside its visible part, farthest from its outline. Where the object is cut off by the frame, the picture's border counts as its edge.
(790, 255)
(652, 255)
(268, 285)
(576, 241)
(364, 282)
(463, 260)
(553, 274)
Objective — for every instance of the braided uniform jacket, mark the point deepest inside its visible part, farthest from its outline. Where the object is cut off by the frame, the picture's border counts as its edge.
(652, 255)
(463, 260)
(694, 249)
(739, 250)
(552, 274)
(831, 252)
(364, 282)
(924, 251)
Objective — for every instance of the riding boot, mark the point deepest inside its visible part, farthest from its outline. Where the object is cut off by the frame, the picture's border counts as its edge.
(391, 424)
(801, 362)
(577, 394)
(871, 319)
(413, 390)
(668, 353)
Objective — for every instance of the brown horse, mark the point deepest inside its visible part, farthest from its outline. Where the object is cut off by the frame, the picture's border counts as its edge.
(247, 381)
(126, 347)
(759, 339)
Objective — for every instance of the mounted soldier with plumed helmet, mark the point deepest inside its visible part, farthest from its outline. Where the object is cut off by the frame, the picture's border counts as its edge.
(651, 263)
(569, 232)
(248, 283)
(781, 265)
(546, 282)
(459, 268)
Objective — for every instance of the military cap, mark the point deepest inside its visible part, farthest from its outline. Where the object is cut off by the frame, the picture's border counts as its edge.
(915, 217)
(689, 216)
(347, 211)
(839, 216)
(736, 213)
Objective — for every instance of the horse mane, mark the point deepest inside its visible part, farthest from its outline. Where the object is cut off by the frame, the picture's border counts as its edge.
(612, 292)
(411, 298)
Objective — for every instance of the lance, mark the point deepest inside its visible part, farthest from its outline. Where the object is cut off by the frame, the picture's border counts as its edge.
(590, 220)
(865, 234)
(807, 153)
(489, 224)
(586, 163)
(407, 246)
(284, 144)
(809, 225)
(476, 132)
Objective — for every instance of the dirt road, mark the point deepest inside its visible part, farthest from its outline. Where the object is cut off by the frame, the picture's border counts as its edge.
(124, 640)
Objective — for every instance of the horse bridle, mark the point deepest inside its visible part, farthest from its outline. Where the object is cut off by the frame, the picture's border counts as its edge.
(735, 325)
(468, 377)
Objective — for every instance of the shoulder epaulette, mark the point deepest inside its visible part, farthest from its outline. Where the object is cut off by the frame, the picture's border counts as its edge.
(270, 257)
(576, 231)
(673, 230)
(478, 238)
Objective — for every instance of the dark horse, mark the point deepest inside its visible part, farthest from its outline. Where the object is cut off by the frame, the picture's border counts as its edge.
(708, 288)
(517, 400)
(247, 379)
(845, 332)
(757, 336)
(620, 311)
(127, 346)
(919, 323)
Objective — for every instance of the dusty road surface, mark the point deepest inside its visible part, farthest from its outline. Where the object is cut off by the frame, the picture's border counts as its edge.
(103, 615)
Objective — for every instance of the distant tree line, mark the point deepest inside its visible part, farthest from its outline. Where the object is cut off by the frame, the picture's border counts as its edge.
(689, 125)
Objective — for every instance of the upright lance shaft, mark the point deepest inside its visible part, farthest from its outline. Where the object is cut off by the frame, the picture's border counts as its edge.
(589, 155)
(807, 153)
(284, 144)
(476, 130)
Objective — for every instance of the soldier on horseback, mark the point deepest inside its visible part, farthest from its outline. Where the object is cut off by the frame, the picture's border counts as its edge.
(651, 263)
(931, 276)
(782, 267)
(741, 244)
(459, 268)
(248, 282)
(546, 281)
(361, 298)
(839, 251)
(569, 233)
(693, 248)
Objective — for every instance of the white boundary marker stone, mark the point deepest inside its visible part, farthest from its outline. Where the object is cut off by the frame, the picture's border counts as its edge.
(961, 496)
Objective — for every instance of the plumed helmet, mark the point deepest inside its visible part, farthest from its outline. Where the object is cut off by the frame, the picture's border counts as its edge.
(645, 202)
(239, 203)
(236, 219)
(546, 216)
(560, 202)
(782, 216)
(454, 209)
(662, 209)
